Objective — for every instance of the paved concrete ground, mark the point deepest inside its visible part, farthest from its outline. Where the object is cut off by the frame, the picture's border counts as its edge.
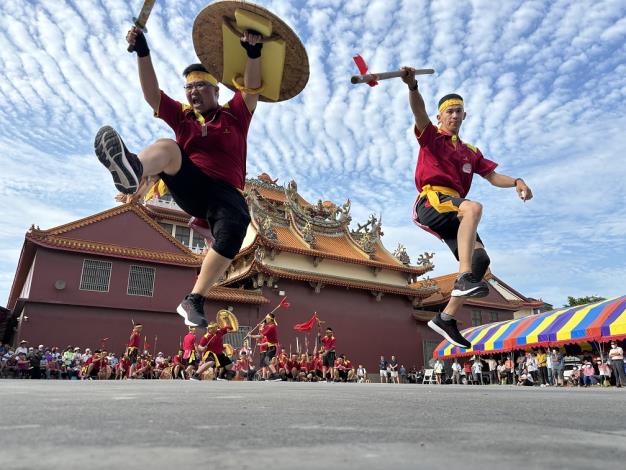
(185, 425)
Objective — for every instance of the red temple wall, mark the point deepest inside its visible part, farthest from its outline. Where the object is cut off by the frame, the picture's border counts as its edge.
(171, 283)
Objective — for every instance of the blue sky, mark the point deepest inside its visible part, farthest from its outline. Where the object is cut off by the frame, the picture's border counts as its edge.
(544, 84)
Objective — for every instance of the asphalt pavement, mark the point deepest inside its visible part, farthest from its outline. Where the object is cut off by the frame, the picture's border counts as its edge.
(260, 425)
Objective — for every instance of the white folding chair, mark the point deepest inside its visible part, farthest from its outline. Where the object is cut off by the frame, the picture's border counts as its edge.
(429, 376)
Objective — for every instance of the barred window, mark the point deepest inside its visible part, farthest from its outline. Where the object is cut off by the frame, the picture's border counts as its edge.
(235, 339)
(476, 318)
(494, 316)
(96, 275)
(182, 234)
(141, 281)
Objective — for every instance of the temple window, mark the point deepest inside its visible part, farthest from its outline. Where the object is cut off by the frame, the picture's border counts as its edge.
(141, 281)
(96, 275)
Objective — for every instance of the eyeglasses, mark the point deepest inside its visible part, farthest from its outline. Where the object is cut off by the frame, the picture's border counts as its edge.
(197, 85)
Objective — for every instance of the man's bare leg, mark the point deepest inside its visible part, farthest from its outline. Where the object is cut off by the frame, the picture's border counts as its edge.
(162, 156)
(469, 214)
(213, 266)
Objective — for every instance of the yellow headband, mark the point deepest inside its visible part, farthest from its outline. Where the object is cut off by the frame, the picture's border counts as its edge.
(204, 76)
(450, 102)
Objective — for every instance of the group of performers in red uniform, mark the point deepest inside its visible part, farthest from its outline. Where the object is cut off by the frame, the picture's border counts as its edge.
(209, 359)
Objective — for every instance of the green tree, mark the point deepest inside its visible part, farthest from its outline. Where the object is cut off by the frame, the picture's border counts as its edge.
(574, 301)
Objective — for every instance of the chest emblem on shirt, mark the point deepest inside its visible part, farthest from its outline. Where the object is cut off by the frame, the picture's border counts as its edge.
(467, 168)
(226, 130)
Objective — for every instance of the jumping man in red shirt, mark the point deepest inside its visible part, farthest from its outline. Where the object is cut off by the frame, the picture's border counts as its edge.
(443, 177)
(204, 168)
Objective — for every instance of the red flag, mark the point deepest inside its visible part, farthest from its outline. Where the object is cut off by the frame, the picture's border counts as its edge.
(307, 325)
(362, 66)
(284, 303)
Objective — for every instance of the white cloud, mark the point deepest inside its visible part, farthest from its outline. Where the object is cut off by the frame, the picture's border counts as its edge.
(543, 83)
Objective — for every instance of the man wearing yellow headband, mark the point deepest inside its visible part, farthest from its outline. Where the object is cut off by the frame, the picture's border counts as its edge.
(443, 176)
(204, 167)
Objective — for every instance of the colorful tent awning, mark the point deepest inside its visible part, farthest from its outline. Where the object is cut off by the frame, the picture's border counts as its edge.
(600, 321)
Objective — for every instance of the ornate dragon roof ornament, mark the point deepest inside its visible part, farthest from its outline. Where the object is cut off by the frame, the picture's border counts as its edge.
(267, 229)
(425, 259)
(401, 255)
(307, 234)
(368, 243)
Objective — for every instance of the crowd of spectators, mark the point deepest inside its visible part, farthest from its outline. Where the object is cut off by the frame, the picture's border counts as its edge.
(541, 367)
(42, 362)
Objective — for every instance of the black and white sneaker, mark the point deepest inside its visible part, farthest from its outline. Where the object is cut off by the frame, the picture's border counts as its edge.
(192, 310)
(467, 286)
(125, 167)
(449, 330)
(194, 377)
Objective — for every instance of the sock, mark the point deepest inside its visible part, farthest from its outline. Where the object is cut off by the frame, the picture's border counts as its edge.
(446, 317)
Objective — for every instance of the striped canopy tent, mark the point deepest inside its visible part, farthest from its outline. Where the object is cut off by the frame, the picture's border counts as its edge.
(600, 321)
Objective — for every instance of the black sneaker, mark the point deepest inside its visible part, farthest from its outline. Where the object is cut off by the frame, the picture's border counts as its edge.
(194, 376)
(192, 310)
(468, 286)
(124, 166)
(449, 330)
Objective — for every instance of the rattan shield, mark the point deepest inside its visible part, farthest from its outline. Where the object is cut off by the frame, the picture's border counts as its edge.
(207, 41)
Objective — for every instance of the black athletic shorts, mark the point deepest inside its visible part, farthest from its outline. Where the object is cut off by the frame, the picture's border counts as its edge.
(224, 360)
(445, 224)
(262, 360)
(132, 355)
(203, 197)
(269, 354)
(329, 359)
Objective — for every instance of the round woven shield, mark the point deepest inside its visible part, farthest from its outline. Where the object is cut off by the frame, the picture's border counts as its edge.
(208, 39)
(227, 318)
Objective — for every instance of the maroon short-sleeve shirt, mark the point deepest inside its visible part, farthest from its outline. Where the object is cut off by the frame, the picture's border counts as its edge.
(444, 160)
(221, 153)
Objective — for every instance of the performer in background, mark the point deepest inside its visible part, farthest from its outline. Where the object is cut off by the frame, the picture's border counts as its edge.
(205, 167)
(211, 350)
(132, 350)
(443, 177)
(178, 365)
(329, 343)
(190, 355)
(269, 342)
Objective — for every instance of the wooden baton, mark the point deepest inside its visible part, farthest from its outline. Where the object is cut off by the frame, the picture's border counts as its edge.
(386, 75)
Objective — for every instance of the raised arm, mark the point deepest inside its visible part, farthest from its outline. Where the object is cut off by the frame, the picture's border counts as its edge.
(147, 75)
(250, 41)
(415, 100)
(504, 181)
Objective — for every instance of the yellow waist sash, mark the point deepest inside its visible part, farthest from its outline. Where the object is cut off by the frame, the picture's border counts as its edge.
(206, 355)
(431, 194)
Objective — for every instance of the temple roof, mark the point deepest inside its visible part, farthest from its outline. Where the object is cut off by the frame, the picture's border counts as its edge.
(496, 298)
(229, 294)
(72, 237)
(284, 221)
(325, 279)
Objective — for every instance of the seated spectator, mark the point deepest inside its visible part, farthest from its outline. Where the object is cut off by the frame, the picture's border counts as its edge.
(361, 374)
(525, 378)
(573, 379)
(588, 373)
